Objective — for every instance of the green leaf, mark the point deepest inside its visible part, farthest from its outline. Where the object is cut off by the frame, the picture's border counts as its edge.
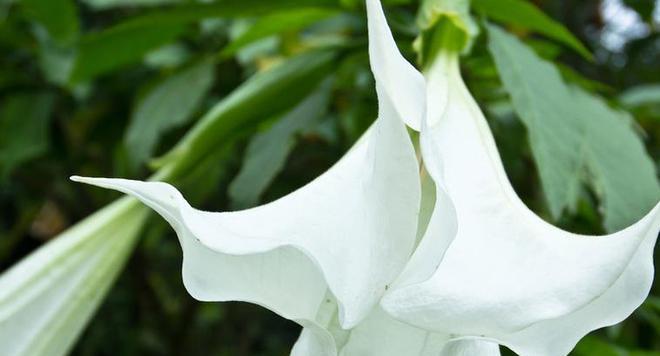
(187, 13)
(272, 24)
(59, 17)
(457, 11)
(267, 152)
(621, 172)
(130, 40)
(108, 4)
(170, 56)
(524, 14)
(542, 101)
(446, 25)
(48, 297)
(24, 120)
(591, 345)
(650, 312)
(55, 61)
(167, 105)
(577, 78)
(641, 95)
(105, 51)
(262, 96)
(574, 135)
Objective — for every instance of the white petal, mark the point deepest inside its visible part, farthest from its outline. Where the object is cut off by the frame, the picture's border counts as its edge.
(395, 77)
(508, 274)
(355, 225)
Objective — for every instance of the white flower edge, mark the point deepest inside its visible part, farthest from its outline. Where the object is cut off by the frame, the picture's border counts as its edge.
(507, 275)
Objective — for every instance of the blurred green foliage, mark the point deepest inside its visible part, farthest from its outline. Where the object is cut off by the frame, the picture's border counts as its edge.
(109, 87)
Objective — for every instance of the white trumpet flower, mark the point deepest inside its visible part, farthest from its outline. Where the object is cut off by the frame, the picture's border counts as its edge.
(507, 275)
(337, 257)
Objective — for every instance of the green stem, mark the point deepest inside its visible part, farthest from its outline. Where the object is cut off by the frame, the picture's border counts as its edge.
(442, 41)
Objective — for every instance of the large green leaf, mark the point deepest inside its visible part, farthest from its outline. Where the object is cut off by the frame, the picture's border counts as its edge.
(169, 104)
(48, 297)
(130, 40)
(573, 135)
(275, 23)
(127, 43)
(59, 17)
(24, 120)
(524, 14)
(267, 152)
(620, 171)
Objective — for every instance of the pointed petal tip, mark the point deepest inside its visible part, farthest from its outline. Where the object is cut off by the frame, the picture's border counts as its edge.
(96, 181)
(148, 192)
(85, 180)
